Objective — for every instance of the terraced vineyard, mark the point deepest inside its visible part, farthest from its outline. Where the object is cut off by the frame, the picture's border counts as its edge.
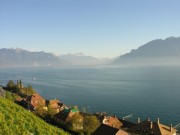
(15, 120)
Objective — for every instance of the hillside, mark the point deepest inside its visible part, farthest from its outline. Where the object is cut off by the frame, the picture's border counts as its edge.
(22, 58)
(154, 52)
(14, 120)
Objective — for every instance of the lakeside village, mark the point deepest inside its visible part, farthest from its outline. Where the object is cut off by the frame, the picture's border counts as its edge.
(80, 122)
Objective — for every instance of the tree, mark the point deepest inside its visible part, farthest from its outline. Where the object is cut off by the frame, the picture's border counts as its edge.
(76, 122)
(51, 112)
(10, 85)
(41, 112)
(31, 90)
(20, 82)
(90, 124)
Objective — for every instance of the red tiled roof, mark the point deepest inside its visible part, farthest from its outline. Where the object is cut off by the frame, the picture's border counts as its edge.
(36, 100)
(54, 103)
(112, 121)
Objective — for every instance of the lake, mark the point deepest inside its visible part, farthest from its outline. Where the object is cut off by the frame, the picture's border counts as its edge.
(142, 91)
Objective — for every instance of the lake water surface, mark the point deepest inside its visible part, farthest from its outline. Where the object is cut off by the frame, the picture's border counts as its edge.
(142, 91)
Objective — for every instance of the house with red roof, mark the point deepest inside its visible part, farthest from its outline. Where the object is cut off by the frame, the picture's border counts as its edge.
(35, 101)
(148, 127)
(112, 121)
(55, 105)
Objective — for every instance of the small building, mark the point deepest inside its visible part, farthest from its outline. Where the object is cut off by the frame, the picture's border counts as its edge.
(35, 101)
(112, 121)
(55, 105)
(65, 115)
(108, 130)
(152, 128)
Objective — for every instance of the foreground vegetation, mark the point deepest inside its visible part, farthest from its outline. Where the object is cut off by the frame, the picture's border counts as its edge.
(15, 120)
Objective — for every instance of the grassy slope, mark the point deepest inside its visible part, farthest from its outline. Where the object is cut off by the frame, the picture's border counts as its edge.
(15, 120)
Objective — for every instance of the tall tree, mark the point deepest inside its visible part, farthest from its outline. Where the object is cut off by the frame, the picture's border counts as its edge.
(76, 122)
(10, 84)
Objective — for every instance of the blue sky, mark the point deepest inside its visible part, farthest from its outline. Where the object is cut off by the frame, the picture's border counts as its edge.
(101, 28)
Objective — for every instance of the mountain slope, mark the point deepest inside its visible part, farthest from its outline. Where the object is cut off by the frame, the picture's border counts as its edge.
(81, 59)
(22, 58)
(155, 52)
(14, 120)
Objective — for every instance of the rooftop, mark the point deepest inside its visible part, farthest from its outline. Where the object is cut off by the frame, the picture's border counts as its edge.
(154, 128)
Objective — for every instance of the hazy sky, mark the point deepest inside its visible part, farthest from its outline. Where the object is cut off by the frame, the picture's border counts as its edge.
(102, 28)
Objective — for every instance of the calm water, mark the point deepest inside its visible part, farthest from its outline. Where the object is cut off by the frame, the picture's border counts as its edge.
(141, 91)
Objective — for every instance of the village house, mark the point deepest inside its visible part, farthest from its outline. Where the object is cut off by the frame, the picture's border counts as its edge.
(35, 101)
(104, 129)
(152, 128)
(65, 115)
(55, 105)
(112, 121)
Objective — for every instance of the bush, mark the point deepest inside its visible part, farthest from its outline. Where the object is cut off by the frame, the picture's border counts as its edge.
(90, 124)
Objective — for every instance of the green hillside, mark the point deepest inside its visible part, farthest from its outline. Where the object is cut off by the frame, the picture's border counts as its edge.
(15, 120)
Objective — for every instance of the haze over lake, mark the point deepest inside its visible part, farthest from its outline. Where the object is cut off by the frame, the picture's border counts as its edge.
(141, 91)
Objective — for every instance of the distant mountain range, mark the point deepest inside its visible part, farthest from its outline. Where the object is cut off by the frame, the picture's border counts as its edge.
(81, 59)
(23, 58)
(156, 52)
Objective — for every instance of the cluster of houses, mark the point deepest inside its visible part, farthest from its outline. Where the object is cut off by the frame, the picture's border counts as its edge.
(110, 125)
(35, 100)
